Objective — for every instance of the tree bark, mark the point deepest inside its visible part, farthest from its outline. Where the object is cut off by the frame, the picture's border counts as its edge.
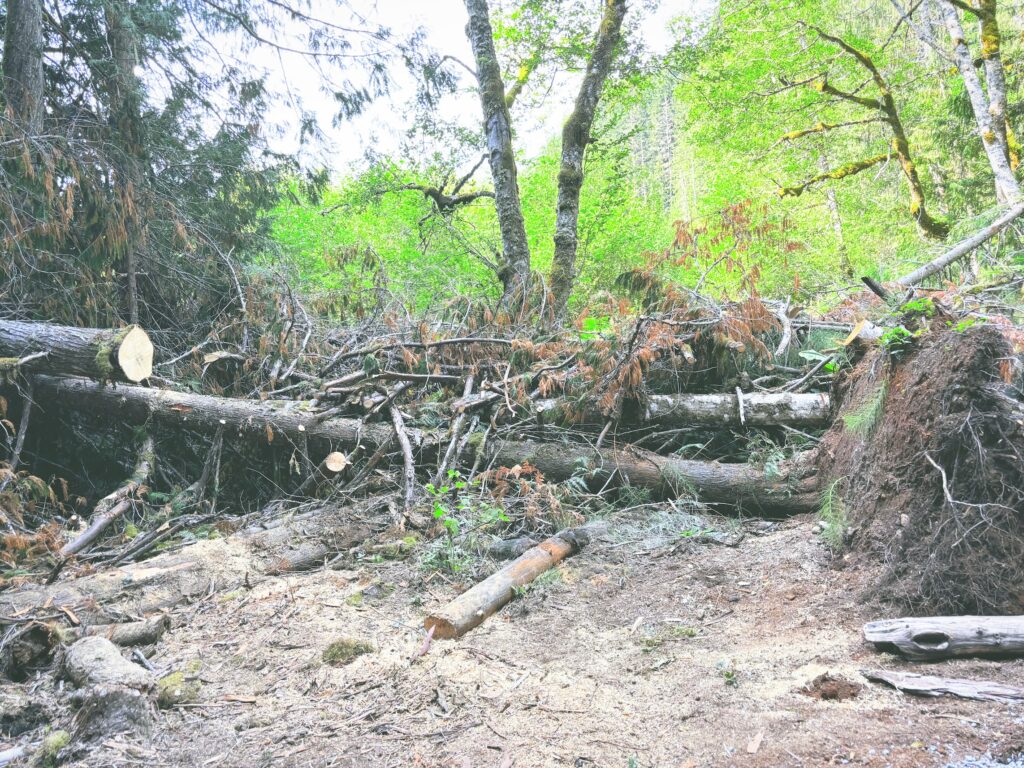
(741, 486)
(514, 273)
(23, 64)
(575, 137)
(265, 420)
(472, 607)
(686, 410)
(927, 685)
(993, 137)
(942, 637)
(125, 104)
(124, 354)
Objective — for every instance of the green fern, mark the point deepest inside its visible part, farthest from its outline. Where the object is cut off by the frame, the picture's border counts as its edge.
(863, 419)
(832, 513)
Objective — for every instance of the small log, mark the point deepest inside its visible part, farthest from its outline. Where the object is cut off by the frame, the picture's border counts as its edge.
(927, 685)
(113, 505)
(473, 606)
(124, 354)
(941, 637)
(126, 634)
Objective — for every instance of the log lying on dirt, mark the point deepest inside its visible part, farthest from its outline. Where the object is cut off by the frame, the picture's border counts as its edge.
(716, 410)
(124, 354)
(927, 685)
(242, 559)
(736, 485)
(941, 637)
(126, 634)
(255, 418)
(113, 505)
(473, 606)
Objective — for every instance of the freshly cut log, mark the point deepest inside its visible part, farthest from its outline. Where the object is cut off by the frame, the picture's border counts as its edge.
(758, 409)
(122, 354)
(334, 464)
(941, 637)
(113, 505)
(260, 419)
(745, 486)
(473, 606)
(927, 685)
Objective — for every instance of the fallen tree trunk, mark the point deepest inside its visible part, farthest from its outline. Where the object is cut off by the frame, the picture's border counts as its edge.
(738, 485)
(473, 606)
(963, 248)
(124, 354)
(113, 505)
(927, 685)
(254, 418)
(240, 560)
(715, 410)
(942, 637)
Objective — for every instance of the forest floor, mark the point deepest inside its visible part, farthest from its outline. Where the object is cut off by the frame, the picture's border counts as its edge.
(641, 651)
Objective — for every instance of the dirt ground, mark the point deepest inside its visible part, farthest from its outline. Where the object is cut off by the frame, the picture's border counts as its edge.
(635, 654)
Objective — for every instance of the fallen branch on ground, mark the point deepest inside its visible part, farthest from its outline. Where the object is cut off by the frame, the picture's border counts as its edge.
(941, 637)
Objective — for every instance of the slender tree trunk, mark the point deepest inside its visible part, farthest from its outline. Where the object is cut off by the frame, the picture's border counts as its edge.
(832, 203)
(514, 272)
(23, 64)
(993, 137)
(575, 137)
(125, 103)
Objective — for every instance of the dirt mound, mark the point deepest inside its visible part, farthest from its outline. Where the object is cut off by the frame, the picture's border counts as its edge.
(926, 462)
(829, 688)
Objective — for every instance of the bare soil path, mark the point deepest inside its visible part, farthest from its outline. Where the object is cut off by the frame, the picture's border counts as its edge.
(635, 654)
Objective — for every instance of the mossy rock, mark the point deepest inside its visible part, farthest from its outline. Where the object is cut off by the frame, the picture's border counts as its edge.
(175, 689)
(344, 651)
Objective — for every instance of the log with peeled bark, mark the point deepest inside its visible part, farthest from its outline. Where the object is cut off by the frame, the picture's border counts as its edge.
(122, 354)
(927, 685)
(473, 606)
(715, 410)
(941, 637)
(260, 419)
(791, 491)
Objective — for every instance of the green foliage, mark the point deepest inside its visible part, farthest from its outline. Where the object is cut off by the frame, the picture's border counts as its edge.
(863, 419)
(832, 514)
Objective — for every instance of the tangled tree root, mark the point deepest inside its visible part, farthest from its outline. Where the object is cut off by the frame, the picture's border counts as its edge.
(929, 455)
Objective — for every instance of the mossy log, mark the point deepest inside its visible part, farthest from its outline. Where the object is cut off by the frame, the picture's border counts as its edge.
(123, 354)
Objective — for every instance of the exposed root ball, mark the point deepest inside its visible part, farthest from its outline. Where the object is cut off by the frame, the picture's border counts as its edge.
(929, 448)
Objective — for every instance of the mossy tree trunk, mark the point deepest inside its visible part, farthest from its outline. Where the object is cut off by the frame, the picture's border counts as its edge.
(575, 137)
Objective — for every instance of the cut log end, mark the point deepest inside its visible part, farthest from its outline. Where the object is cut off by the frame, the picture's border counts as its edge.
(135, 355)
(335, 462)
(444, 628)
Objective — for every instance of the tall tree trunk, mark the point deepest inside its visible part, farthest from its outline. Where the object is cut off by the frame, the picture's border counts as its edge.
(990, 111)
(23, 64)
(515, 269)
(125, 104)
(575, 137)
(832, 203)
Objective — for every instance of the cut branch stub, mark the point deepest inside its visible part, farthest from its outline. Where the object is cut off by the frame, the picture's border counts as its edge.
(123, 354)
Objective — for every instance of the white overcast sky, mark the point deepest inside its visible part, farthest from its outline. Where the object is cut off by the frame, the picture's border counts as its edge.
(383, 125)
